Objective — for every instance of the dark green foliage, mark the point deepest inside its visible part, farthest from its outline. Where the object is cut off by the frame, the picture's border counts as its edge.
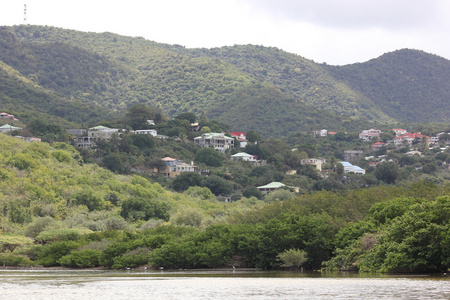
(143, 141)
(90, 199)
(49, 255)
(401, 84)
(139, 208)
(115, 162)
(387, 172)
(187, 179)
(87, 258)
(218, 185)
(252, 192)
(191, 117)
(308, 171)
(401, 235)
(209, 157)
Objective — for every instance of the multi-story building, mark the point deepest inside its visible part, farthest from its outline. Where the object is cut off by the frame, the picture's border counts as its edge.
(219, 141)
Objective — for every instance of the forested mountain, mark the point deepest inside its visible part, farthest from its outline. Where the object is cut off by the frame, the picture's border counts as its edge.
(407, 85)
(249, 87)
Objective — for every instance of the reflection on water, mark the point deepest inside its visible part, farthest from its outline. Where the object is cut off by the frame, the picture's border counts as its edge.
(221, 284)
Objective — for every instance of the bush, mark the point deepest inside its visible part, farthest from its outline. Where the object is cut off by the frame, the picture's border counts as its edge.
(135, 258)
(62, 156)
(49, 255)
(209, 157)
(293, 257)
(81, 259)
(10, 259)
(139, 208)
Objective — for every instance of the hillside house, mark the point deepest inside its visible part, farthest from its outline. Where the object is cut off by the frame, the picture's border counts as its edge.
(349, 168)
(152, 132)
(321, 133)
(377, 146)
(175, 167)
(353, 155)
(243, 156)
(316, 162)
(95, 134)
(407, 139)
(4, 115)
(264, 189)
(399, 131)
(219, 141)
(369, 134)
(7, 128)
(241, 137)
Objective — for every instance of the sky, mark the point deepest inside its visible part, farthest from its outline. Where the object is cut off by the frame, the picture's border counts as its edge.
(336, 32)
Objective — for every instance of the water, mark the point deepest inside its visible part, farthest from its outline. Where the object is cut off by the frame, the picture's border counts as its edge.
(224, 284)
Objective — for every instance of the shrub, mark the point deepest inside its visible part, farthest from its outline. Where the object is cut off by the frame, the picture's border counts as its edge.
(81, 259)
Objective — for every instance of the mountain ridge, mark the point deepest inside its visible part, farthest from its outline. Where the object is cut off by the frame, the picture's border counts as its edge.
(228, 83)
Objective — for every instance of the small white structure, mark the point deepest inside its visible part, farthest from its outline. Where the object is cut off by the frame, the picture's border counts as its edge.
(152, 132)
(8, 128)
(243, 156)
(369, 134)
(349, 168)
(270, 187)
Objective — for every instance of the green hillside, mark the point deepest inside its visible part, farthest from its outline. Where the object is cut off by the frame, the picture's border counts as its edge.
(300, 78)
(408, 85)
(249, 87)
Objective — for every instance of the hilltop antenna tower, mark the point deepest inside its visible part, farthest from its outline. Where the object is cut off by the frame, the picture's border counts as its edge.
(25, 21)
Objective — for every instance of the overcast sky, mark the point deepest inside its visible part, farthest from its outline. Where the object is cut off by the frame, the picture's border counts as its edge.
(331, 31)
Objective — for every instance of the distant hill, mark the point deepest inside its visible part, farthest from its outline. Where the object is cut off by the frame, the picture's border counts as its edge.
(249, 87)
(407, 85)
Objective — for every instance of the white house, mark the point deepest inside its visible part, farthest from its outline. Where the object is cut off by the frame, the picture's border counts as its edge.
(349, 168)
(219, 141)
(152, 132)
(243, 156)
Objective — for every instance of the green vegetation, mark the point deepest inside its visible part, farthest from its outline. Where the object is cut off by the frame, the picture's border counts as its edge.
(112, 205)
(272, 92)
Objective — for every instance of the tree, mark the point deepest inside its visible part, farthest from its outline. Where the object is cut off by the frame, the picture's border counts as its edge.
(143, 141)
(339, 169)
(309, 171)
(139, 208)
(209, 157)
(252, 136)
(293, 257)
(387, 172)
(187, 179)
(158, 164)
(218, 185)
(190, 116)
(138, 114)
(252, 192)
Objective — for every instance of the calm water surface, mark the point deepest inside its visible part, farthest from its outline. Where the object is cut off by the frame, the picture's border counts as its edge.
(224, 284)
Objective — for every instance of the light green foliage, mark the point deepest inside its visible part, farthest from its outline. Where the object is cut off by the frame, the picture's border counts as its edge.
(279, 195)
(188, 217)
(22, 161)
(200, 192)
(10, 242)
(293, 257)
(66, 234)
(41, 224)
(62, 156)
